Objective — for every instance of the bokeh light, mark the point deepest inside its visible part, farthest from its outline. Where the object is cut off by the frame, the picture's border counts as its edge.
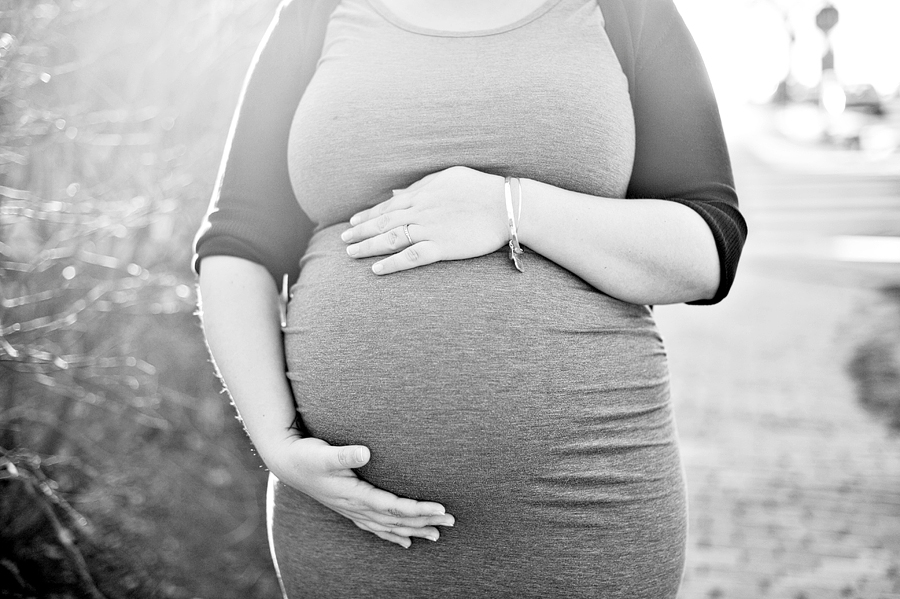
(747, 49)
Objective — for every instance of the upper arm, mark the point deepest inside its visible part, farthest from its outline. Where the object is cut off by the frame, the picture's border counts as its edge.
(253, 212)
(681, 154)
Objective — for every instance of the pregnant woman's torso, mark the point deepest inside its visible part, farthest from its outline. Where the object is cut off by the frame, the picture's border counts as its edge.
(531, 405)
(459, 373)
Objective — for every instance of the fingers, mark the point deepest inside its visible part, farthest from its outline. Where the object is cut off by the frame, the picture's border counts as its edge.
(420, 254)
(403, 507)
(378, 224)
(398, 202)
(417, 523)
(399, 534)
(404, 527)
(423, 532)
(387, 535)
(379, 237)
(377, 505)
(347, 456)
(397, 519)
(401, 199)
(325, 473)
(391, 511)
(386, 511)
(391, 242)
(389, 520)
(404, 542)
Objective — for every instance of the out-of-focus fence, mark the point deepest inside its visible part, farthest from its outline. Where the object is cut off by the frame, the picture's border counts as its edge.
(123, 471)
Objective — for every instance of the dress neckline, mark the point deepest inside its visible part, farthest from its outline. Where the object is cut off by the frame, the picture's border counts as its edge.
(397, 21)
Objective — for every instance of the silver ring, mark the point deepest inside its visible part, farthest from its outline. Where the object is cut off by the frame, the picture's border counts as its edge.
(406, 231)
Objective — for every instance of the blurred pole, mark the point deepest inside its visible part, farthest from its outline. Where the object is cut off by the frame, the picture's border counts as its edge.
(826, 19)
(831, 93)
(783, 92)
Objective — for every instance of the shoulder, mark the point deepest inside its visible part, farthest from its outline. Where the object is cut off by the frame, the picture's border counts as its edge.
(288, 9)
(639, 29)
(303, 19)
(309, 8)
(637, 18)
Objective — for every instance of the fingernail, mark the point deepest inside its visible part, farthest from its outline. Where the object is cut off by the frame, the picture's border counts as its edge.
(347, 235)
(352, 250)
(377, 267)
(354, 220)
(432, 537)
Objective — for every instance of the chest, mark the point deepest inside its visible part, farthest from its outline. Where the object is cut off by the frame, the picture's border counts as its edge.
(544, 99)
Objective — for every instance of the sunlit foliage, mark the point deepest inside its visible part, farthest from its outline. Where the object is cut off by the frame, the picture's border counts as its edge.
(113, 114)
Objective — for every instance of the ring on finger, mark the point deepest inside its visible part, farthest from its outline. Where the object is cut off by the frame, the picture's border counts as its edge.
(406, 232)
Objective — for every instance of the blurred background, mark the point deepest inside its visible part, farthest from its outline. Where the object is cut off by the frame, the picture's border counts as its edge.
(123, 472)
(788, 393)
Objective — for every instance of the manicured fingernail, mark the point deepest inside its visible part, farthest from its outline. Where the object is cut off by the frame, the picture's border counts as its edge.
(347, 235)
(354, 220)
(432, 537)
(450, 521)
(406, 545)
(352, 250)
(377, 267)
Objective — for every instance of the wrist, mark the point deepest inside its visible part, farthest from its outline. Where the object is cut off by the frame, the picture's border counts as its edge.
(523, 203)
(513, 187)
(495, 200)
(273, 444)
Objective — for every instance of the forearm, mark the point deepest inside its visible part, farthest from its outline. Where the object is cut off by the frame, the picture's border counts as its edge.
(239, 309)
(639, 251)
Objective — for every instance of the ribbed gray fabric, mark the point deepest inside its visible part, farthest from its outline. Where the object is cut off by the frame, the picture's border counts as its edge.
(535, 408)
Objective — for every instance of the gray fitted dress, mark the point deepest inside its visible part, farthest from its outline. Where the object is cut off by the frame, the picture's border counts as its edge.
(533, 406)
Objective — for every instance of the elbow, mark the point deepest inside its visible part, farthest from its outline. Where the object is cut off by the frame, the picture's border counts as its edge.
(695, 280)
(711, 279)
(670, 286)
(704, 277)
(704, 282)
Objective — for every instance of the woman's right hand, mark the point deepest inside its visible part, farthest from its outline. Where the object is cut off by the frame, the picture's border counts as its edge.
(325, 473)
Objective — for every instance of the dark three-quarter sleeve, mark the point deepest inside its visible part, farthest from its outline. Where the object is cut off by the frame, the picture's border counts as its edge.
(681, 153)
(253, 213)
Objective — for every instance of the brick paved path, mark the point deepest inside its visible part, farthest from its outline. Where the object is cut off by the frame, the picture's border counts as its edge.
(794, 490)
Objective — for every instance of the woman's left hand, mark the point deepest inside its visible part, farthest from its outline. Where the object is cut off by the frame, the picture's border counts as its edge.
(452, 214)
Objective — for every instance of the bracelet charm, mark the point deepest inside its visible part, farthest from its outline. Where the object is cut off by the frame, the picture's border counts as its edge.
(515, 250)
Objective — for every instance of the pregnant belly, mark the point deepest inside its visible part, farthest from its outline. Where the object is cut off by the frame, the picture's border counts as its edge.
(476, 385)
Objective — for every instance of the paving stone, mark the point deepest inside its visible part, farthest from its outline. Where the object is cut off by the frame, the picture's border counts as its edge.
(794, 489)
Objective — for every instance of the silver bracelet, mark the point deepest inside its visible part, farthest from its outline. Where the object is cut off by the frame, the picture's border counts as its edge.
(515, 250)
